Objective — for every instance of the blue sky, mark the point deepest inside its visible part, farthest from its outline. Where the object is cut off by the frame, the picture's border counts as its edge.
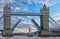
(30, 6)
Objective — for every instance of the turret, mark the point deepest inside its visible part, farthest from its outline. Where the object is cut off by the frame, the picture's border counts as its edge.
(6, 10)
(7, 21)
(45, 17)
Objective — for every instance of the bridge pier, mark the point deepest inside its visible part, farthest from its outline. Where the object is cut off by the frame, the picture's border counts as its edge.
(7, 31)
(41, 24)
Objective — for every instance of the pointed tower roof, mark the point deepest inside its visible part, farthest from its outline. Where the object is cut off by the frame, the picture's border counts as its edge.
(44, 7)
(6, 6)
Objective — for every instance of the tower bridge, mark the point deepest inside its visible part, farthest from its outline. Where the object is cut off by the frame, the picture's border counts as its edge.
(44, 20)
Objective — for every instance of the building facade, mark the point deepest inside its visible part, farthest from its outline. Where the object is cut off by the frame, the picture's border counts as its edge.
(45, 17)
(7, 21)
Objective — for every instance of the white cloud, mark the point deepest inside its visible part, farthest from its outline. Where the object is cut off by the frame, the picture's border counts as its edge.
(24, 8)
(11, 0)
(56, 17)
(15, 19)
(27, 22)
(1, 9)
(52, 2)
(36, 18)
(24, 30)
(18, 30)
(16, 9)
(3, 2)
(6, 1)
(37, 2)
(47, 2)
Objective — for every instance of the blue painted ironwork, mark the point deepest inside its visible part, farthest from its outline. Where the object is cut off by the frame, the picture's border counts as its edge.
(15, 25)
(25, 14)
(1, 17)
(36, 25)
(55, 30)
(54, 24)
(54, 21)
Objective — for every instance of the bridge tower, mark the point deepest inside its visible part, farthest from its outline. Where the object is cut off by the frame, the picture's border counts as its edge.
(45, 17)
(7, 31)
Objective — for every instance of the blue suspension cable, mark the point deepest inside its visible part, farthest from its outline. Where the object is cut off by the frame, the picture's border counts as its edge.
(1, 17)
(55, 22)
(52, 23)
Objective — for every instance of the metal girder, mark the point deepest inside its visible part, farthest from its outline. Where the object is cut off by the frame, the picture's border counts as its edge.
(55, 30)
(25, 14)
(54, 22)
(37, 26)
(1, 17)
(15, 25)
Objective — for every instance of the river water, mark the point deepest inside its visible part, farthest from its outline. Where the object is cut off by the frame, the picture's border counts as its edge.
(25, 37)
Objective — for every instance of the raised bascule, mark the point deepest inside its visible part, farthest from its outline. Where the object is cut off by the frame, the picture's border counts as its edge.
(43, 29)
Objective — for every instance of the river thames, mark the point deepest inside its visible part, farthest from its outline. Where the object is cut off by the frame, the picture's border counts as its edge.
(25, 37)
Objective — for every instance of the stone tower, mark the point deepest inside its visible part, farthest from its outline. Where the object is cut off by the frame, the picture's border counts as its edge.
(45, 17)
(7, 21)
